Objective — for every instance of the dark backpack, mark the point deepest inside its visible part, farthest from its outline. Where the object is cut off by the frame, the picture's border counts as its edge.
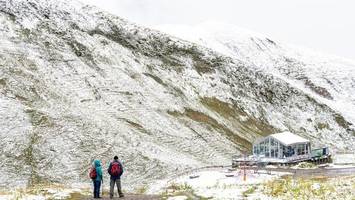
(93, 173)
(116, 169)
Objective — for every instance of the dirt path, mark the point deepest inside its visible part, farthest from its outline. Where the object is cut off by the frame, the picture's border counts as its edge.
(127, 197)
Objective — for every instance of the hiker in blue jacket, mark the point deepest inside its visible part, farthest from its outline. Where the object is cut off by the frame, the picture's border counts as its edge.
(115, 170)
(97, 181)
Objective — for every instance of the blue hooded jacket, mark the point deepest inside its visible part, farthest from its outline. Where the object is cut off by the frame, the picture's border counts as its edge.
(97, 165)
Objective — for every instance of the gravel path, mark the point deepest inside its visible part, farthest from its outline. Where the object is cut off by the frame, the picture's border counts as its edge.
(127, 197)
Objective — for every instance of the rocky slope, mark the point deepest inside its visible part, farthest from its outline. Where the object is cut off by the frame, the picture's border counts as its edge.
(326, 79)
(77, 83)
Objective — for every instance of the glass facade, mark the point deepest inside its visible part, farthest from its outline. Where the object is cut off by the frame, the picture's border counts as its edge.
(272, 148)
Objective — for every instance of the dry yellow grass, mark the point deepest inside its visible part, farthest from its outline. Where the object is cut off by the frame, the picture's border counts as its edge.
(4, 193)
(36, 190)
(314, 188)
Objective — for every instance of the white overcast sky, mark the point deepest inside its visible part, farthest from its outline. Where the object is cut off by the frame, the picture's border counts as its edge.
(324, 25)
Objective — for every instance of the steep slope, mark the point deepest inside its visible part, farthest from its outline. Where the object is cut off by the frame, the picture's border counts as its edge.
(77, 84)
(329, 77)
(328, 80)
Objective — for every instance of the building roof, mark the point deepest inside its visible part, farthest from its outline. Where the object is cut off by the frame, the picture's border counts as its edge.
(288, 138)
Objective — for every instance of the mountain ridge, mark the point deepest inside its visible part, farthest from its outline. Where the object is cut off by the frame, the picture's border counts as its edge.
(77, 84)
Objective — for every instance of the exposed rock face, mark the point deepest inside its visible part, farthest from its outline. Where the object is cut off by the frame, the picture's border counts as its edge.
(77, 84)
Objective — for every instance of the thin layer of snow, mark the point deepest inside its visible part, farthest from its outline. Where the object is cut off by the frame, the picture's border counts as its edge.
(323, 70)
(80, 84)
(288, 138)
(341, 165)
(32, 197)
(59, 193)
(327, 80)
(178, 198)
(6, 197)
(342, 159)
(215, 184)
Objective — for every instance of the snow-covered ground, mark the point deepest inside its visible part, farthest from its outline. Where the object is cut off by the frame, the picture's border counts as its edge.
(219, 184)
(344, 159)
(43, 193)
(216, 184)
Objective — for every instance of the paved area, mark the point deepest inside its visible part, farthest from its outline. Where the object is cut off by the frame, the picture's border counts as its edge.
(327, 172)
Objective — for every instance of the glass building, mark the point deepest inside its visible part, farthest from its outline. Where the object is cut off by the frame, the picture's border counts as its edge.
(283, 145)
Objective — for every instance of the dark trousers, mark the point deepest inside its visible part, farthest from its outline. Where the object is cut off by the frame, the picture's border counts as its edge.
(97, 185)
(116, 182)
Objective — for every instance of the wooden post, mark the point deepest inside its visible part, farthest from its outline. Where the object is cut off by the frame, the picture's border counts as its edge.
(244, 172)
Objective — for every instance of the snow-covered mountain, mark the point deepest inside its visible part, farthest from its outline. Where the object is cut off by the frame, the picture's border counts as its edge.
(327, 79)
(77, 83)
(326, 76)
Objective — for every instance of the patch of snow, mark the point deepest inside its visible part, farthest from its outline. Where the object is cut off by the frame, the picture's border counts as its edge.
(343, 159)
(178, 198)
(6, 197)
(33, 197)
(215, 184)
(288, 138)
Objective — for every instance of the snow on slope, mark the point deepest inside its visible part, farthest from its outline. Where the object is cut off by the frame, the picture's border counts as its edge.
(77, 83)
(329, 79)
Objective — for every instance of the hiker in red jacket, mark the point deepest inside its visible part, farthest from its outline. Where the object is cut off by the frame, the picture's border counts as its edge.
(115, 170)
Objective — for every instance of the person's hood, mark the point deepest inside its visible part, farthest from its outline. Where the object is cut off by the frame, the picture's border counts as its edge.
(97, 163)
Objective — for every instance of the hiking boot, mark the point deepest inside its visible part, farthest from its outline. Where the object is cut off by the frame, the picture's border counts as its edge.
(121, 196)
